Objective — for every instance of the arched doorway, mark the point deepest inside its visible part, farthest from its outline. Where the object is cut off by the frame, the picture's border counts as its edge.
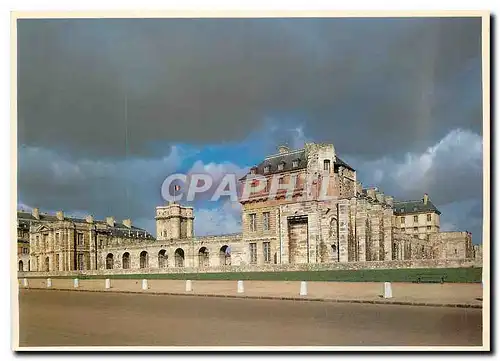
(203, 260)
(162, 259)
(225, 255)
(47, 264)
(126, 260)
(143, 259)
(20, 266)
(109, 261)
(179, 257)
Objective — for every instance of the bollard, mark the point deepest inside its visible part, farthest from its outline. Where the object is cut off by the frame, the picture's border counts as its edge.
(107, 284)
(144, 284)
(387, 290)
(75, 283)
(49, 282)
(25, 282)
(241, 289)
(303, 288)
(189, 286)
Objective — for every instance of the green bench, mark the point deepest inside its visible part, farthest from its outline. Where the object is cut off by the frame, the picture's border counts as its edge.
(430, 279)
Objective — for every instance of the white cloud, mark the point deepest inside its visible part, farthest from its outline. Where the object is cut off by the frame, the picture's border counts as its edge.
(222, 220)
(450, 169)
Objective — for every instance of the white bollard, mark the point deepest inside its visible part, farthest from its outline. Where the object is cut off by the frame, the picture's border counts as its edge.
(49, 282)
(303, 288)
(25, 283)
(241, 289)
(387, 290)
(144, 284)
(107, 283)
(189, 286)
(75, 283)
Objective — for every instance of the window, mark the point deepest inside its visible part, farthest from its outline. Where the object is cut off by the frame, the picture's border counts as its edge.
(326, 164)
(37, 241)
(253, 222)
(415, 229)
(403, 220)
(281, 180)
(57, 262)
(252, 171)
(402, 210)
(57, 238)
(295, 163)
(253, 252)
(79, 238)
(428, 228)
(415, 218)
(281, 166)
(403, 229)
(429, 218)
(267, 251)
(266, 169)
(80, 262)
(266, 221)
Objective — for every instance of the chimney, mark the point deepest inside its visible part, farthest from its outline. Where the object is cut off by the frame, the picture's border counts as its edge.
(359, 187)
(127, 223)
(60, 215)
(35, 212)
(370, 192)
(389, 201)
(110, 221)
(283, 149)
(89, 219)
(426, 198)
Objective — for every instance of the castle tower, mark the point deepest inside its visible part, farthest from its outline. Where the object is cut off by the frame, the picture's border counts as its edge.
(174, 221)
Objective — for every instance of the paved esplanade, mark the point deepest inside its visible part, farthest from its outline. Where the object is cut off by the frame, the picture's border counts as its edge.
(65, 318)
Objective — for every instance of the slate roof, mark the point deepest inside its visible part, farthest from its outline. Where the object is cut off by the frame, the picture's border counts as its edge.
(119, 230)
(287, 159)
(408, 207)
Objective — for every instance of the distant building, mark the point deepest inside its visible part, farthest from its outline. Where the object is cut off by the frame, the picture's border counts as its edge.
(310, 209)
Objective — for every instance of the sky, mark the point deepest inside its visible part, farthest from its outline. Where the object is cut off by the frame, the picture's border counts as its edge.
(108, 108)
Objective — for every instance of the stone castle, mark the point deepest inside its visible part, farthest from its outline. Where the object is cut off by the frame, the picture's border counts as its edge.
(354, 225)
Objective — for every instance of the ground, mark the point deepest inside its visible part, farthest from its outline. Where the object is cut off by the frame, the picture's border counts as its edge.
(68, 318)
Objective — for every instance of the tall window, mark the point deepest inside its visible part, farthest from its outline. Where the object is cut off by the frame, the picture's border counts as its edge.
(266, 169)
(267, 252)
(428, 218)
(79, 238)
(126, 260)
(415, 229)
(281, 166)
(428, 228)
(253, 222)
(403, 220)
(266, 221)
(253, 252)
(326, 164)
(57, 238)
(415, 218)
(57, 262)
(295, 163)
(80, 262)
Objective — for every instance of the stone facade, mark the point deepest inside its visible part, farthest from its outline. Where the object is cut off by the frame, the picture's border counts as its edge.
(311, 211)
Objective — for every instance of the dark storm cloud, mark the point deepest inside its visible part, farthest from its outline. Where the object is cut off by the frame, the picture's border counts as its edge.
(102, 103)
(372, 86)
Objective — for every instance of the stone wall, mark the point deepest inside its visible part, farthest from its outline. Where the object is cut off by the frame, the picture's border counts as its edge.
(458, 263)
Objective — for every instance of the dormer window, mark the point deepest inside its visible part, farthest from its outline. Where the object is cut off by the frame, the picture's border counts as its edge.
(295, 163)
(281, 165)
(326, 164)
(267, 168)
(253, 170)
